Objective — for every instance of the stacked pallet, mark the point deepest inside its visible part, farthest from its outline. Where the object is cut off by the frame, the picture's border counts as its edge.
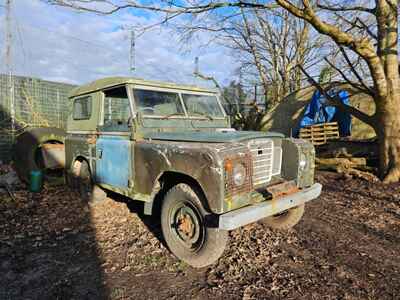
(320, 134)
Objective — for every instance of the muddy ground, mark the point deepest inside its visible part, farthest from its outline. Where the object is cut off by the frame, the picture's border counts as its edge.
(54, 246)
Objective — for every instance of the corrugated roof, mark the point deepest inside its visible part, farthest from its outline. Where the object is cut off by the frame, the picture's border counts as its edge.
(115, 81)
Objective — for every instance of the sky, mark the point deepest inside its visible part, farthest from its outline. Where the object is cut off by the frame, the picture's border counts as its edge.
(59, 44)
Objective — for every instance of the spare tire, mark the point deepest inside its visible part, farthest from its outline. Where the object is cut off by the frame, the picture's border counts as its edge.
(27, 154)
(286, 219)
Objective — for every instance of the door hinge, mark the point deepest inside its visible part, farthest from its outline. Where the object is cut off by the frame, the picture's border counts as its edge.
(99, 153)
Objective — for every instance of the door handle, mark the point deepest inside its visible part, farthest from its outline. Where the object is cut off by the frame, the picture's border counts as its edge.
(99, 153)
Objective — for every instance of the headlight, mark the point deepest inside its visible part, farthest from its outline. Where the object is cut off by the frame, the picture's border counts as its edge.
(239, 174)
(302, 161)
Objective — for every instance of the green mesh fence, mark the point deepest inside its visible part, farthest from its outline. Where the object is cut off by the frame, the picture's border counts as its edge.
(36, 102)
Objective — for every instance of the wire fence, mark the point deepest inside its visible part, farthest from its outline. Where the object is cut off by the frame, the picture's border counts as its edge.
(29, 102)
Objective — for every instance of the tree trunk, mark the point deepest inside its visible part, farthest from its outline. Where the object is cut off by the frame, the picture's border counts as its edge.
(389, 138)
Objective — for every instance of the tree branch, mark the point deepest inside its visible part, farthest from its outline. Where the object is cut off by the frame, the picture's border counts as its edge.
(362, 47)
(346, 79)
(339, 8)
(174, 7)
(359, 78)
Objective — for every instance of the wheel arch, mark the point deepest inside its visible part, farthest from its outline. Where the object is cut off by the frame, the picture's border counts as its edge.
(76, 162)
(164, 182)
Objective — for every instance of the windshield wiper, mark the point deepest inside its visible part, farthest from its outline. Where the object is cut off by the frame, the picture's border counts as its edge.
(172, 115)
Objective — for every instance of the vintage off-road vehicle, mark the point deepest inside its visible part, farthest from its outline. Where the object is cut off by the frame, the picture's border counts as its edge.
(171, 146)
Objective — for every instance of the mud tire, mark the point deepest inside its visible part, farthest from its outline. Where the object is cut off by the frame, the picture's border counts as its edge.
(213, 240)
(287, 220)
(27, 145)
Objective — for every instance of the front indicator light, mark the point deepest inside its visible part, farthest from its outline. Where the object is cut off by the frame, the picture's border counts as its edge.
(302, 162)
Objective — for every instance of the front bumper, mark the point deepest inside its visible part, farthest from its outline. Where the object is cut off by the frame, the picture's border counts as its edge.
(249, 214)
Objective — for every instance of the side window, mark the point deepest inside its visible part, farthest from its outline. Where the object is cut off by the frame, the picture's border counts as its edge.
(116, 110)
(82, 109)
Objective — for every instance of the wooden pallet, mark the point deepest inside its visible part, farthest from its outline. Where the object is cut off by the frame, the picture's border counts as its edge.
(320, 134)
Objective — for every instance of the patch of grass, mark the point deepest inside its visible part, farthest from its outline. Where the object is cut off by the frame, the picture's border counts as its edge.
(178, 266)
(153, 260)
(117, 293)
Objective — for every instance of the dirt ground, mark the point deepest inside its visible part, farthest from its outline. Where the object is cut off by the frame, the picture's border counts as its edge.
(54, 246)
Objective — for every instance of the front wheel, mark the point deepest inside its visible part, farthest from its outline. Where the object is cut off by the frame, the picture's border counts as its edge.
(285, 220)
(184, 228)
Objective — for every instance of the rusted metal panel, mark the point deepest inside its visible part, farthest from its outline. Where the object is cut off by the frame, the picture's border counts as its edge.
(77, 145)
(153, 158)
(283, 189)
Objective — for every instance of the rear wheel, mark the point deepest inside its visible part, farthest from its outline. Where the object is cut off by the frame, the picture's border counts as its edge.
(183, 222)
(286, 219)
(89, 191)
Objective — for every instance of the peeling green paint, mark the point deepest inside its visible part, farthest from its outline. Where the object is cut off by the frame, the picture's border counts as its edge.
(164, 149)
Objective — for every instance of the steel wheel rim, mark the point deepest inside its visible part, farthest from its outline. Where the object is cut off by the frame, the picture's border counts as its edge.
(186, 225)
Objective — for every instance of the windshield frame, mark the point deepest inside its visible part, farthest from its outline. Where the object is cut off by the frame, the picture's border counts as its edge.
(179, 92)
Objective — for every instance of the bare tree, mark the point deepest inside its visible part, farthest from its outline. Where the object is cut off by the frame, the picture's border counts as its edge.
(276, 43)
(368, 33)
(377, 46)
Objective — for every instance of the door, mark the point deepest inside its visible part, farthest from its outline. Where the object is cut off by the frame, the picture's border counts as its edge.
(114, 150)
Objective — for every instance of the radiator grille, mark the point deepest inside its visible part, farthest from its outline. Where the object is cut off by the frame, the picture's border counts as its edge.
(262, 156)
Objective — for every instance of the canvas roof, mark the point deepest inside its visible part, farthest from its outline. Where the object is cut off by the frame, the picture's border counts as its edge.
(115, 81)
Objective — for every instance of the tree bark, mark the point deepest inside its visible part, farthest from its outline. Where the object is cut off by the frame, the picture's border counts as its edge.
(388, 107)
(389, 138)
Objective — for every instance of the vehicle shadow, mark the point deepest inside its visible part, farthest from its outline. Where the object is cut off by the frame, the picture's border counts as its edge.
(48, 248)
(48, 245)
(152, 222)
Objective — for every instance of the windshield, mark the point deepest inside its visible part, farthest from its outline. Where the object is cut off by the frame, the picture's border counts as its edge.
(203, 105)
(155, 103)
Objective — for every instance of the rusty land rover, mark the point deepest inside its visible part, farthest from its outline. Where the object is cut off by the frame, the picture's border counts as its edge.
(171, 146)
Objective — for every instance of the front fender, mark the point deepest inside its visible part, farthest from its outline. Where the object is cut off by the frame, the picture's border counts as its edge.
(195, 160)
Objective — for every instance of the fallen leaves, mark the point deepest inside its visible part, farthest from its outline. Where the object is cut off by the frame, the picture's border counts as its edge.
(53, 245)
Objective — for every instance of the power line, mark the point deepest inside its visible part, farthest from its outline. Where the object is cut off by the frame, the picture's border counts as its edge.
(133, 66)
(91, 43)
(132, 51)
(94, 44)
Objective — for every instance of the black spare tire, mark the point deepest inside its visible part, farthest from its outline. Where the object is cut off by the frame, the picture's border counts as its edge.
(27, 154)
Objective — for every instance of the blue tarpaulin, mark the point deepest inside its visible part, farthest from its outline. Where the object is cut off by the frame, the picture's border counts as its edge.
(318, 112)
